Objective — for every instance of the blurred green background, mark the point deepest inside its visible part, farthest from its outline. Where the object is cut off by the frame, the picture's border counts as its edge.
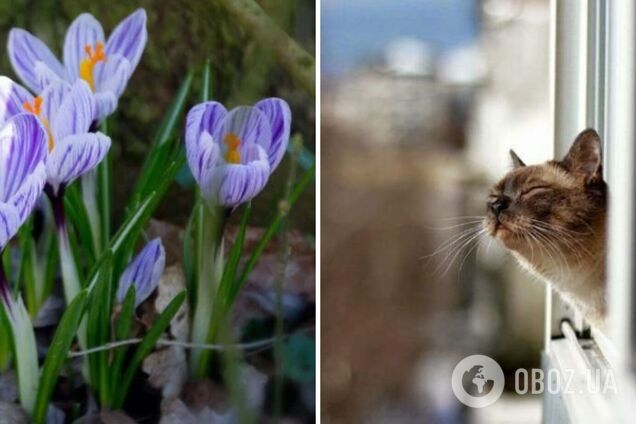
(182, 34)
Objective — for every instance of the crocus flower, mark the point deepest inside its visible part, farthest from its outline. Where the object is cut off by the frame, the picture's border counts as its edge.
(22, 171)
(66, 112)
(22, 176)
(232, 154)
(143, 272)
(106, 66)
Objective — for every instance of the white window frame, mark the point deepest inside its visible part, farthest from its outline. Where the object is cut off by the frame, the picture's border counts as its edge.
(593, 84)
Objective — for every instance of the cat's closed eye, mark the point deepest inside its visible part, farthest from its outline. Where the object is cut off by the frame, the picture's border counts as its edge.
(535, 190)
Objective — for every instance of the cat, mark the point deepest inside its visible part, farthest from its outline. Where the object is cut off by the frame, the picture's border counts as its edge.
(552, 218)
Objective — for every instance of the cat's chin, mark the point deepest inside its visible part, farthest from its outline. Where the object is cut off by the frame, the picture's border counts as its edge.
(503, 234)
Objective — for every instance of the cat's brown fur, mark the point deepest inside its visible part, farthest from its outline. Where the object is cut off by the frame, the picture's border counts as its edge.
(552, 218)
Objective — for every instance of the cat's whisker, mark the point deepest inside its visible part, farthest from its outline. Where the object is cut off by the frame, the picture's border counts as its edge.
(567, 239)
(461, 248)
(451, 218)
(450, 227)
(475, 246)
(453, 240)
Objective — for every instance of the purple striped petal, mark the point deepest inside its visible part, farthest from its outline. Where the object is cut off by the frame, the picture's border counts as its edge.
(73, 156)
(27, 196)
(46, 76)
(248, 123)
(144, 272)
(12, 99)
(112, 75)
(129, 38)
(84, 31)
(25, 51)
(76, 113)
(9, 225)
(202, 158)
(232, 184)
(204, 117)
(22, 150)
(105, 104)
(202, 151)
(279, 116)
(52, 97)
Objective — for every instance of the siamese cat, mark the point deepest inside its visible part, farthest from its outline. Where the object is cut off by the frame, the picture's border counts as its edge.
(552, 218)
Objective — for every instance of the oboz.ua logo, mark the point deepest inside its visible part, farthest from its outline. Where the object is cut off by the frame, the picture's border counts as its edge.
(478, 381)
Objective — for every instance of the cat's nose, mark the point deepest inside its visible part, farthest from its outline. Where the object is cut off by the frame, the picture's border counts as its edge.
(499, 205)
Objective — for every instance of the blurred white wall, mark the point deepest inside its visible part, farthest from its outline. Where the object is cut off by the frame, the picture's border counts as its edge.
(513, 109)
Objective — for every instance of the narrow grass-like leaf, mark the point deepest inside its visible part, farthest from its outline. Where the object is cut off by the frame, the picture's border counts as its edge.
(166, 129)
(159, 155)
(6, 344)
(206, 83)
(146, 346)
(189, 250)
(104, 199)
(122, 331)
(75, 210)
(98, 325)
(57, 354)
(26, 273)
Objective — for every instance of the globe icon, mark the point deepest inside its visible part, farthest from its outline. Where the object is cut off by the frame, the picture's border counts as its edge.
(476, 383)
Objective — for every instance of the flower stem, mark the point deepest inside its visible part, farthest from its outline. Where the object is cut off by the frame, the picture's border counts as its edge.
(209, 273)
(89, 196)
(70, 276)
(5, 293)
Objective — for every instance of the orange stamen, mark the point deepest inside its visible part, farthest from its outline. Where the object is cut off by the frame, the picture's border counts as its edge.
(36, 109)
(86, 66)
(233, 142)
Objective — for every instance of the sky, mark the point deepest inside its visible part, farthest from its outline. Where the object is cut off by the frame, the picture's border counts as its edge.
(355, 31)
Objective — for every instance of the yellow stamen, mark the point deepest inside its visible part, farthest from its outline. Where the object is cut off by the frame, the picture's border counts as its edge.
(233, 142)
(36, 109)
(86, 66)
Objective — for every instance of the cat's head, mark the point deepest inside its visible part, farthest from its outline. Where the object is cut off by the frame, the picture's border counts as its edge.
(555, 204)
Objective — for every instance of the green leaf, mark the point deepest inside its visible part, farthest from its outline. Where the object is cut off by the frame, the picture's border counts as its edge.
(77, 215)
(57, 354)
(206, 86)
(122, 331)
(166, 129)
(124, 323)
(104, 199)
(162, 151)
(146, 346)
(6, 343)
(26, 274)
(98, 326)
(189, 249)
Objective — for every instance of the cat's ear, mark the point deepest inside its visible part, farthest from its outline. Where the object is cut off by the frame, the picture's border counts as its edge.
(584, 157)
(516, 161)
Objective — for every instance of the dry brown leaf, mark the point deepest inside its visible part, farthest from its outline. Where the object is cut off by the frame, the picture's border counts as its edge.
(10, 413)
(172, 282)
(175, 411)
(8, 387)
(167, 370)
(115, 417)
(171, 237)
